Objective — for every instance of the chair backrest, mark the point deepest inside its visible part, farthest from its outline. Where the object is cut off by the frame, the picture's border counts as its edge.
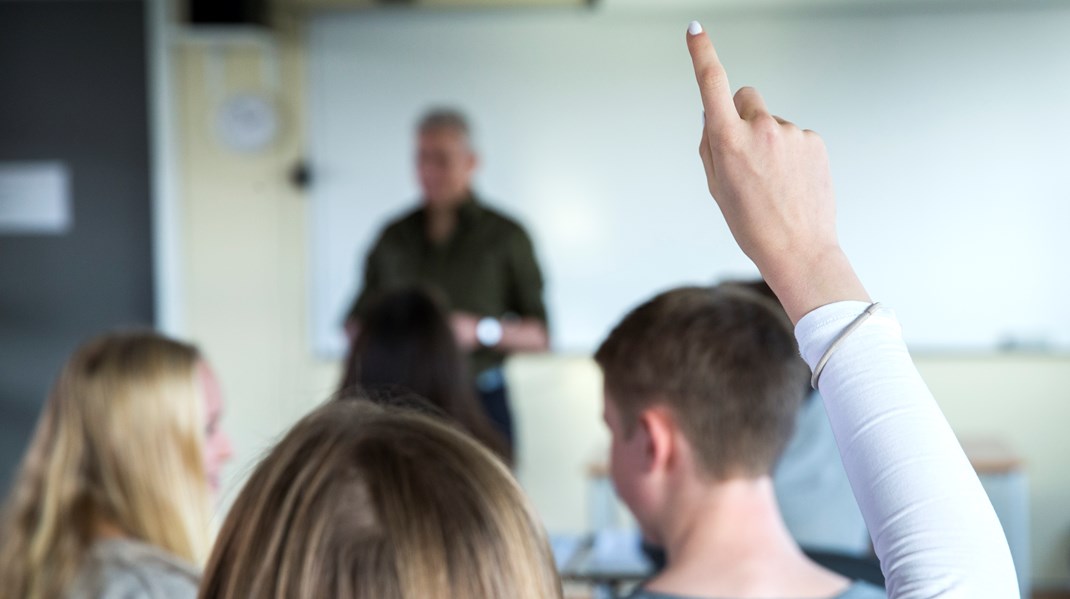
(866, 569)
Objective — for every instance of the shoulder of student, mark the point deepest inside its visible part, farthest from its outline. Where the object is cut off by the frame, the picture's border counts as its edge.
(641, 593)
(863, 590)
(125, 569)
(858, 590)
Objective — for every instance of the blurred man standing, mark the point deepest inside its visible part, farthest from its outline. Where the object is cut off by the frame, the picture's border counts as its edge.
(481, 262)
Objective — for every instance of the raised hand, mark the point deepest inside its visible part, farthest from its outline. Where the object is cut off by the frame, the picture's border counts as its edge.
(771, 181)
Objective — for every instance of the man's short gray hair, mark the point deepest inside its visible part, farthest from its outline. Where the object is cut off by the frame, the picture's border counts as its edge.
(444, 118)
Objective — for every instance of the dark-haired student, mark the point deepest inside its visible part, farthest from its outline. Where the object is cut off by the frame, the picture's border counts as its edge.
(405, 340)
(932, 526)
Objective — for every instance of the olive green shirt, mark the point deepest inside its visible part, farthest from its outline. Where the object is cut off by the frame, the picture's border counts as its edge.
(487, 267)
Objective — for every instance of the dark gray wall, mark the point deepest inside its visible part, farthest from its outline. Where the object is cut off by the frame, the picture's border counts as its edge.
(74, 88)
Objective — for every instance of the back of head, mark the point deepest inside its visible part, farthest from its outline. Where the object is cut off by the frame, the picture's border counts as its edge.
(119, 442)
(761, 288)
(405, 339)
(724, 360)
(444, 118)
(364, 501)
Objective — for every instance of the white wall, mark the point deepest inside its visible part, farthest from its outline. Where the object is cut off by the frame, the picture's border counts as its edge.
(1026, 401)
(946, 132)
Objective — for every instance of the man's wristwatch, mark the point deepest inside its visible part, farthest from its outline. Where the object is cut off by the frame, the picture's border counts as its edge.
(489, 331)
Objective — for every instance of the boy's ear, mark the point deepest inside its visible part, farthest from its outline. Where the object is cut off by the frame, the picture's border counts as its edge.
(658, 427)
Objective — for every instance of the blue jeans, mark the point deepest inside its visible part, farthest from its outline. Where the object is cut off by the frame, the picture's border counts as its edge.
(490, 385)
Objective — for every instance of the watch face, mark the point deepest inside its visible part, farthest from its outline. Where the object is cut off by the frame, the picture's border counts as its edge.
(247, 122)
(489, 331)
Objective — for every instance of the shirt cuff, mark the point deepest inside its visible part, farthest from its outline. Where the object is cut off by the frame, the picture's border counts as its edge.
(816, 331)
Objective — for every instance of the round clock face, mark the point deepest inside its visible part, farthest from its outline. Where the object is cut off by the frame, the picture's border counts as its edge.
(247, 122)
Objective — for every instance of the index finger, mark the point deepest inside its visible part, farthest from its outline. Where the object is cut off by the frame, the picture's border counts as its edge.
(712, 80)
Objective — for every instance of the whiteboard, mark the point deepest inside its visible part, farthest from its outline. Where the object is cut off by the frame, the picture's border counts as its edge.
(947, 134)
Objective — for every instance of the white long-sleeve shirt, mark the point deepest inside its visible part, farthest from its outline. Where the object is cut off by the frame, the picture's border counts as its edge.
(932, 525)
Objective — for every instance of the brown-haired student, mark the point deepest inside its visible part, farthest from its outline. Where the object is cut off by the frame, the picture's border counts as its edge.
(697, 380)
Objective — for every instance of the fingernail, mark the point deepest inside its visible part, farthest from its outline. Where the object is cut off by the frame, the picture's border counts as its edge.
(694, 28)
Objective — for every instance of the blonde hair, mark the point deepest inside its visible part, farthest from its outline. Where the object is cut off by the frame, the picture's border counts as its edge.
(363, 501)
(120, 441)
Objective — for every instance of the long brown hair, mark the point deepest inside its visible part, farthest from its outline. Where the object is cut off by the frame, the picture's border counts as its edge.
(120, 441)
(364, 501)
(405, 340)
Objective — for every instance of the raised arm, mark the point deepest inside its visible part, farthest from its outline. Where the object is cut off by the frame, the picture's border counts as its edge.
(772, 183)
(933, 528)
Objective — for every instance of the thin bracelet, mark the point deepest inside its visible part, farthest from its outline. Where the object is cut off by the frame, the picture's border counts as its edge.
(838, 341)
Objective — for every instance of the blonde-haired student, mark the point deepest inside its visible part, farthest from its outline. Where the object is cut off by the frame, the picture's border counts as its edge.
(114, 494)
(364, 501)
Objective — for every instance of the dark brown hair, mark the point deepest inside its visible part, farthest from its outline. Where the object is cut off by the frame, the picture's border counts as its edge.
(363, 501)
(724, 360)
(405, 340)
(763, 289)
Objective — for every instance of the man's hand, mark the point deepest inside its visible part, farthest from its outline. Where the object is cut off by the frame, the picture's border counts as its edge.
(518, 335)
(771, 181)
(464, 330)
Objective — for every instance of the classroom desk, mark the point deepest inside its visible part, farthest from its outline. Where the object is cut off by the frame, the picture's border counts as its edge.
(606, 561)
